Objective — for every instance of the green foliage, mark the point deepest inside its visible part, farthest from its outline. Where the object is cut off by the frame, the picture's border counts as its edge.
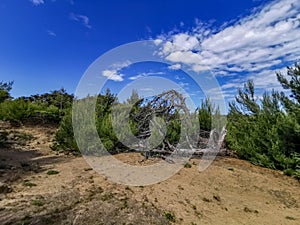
(64, 137)
(291, 81)
(134, 98)
(52, 172)
(58, 98)
(205, 115)
(28, 183)
(289, 172)
(187, 165)
(19, 111)
(37, 202)
(267, 131)
(134, 118)
(45, 108)
(170, 217)
(26, 220)
(4, 91)
(14, 111)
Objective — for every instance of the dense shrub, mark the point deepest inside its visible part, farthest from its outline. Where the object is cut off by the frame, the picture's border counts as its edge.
(4, 91)
(37, 109)
(205, 115)
(137, 126)
(267, 131)
(19, 111)
(64, 137)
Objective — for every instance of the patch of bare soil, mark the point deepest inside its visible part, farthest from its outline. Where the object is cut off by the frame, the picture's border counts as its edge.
(47, 188)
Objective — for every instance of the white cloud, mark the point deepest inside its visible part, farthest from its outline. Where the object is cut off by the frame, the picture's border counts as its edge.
(82, 19)
(120, 65)
(175, 67)
(266, 39)
(137, 77)
(158, 41)
(37, 2)
(185, 42)
(145, 75)
(113, 73)
(183, 84)
(265, 80)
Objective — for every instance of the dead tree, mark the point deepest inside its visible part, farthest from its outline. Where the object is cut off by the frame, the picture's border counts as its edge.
(170, 106)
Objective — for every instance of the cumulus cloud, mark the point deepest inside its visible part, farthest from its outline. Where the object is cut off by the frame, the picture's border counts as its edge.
(255, 45)
(84, 20)
(113, 73)
(175, 67)
(37, 2)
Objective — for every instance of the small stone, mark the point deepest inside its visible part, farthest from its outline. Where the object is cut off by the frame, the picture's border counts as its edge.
(206, 199)
(246, 209)
(217, 198)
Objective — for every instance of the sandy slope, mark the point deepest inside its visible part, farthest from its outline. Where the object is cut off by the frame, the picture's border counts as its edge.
(230, 191)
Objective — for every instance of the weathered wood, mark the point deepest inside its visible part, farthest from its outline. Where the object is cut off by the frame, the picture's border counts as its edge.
(164, 104)
(198, 152)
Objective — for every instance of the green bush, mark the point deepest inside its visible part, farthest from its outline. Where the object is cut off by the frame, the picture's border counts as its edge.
(170, 217)
(52, 172)
(266, 132)
(4, 90)
(205, 115)
(37, 202)
(187, 165)
(20, 111)
(36, 109)
(64, 137)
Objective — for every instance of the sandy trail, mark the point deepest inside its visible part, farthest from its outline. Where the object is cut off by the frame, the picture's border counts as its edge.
(230, 191)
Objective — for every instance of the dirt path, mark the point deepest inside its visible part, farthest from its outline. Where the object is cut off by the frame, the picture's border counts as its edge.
(230, 191)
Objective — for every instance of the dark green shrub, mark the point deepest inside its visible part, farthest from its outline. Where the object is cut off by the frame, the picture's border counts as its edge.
(170, 217)
(266, 131)
(4, 90)
(64, 137)
(28, 183)
(205, 116)
(52, 172)
(187, 165)
(37, 202)
(289, 172)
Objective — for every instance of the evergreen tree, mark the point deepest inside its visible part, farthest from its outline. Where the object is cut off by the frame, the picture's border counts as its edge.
(4, 90)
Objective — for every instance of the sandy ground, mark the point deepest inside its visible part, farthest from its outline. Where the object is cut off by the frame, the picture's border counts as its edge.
(230, 191)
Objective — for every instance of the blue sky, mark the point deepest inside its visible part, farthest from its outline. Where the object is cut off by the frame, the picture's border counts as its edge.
(49, 44)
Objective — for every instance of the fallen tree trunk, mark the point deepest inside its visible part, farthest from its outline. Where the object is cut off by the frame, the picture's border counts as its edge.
(196, 153)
